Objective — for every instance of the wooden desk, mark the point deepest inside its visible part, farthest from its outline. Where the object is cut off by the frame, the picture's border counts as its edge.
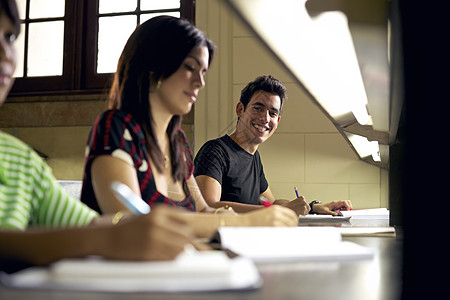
(376, 279)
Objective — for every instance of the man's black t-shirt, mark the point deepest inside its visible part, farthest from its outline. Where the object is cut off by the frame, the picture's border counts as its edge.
(240, 173)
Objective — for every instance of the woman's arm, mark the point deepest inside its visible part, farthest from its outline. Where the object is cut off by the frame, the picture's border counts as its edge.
(106, 169)
(205, 225)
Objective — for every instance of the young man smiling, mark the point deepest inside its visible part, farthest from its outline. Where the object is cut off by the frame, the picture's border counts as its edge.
(228, 170)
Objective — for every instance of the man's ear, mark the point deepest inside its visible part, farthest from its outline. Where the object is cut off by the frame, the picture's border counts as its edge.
(279, 118)
(239, 108)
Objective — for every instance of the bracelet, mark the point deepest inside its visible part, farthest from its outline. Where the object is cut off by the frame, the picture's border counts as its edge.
(226, 207)
(117, 217)
(222, 222)
(312, 204)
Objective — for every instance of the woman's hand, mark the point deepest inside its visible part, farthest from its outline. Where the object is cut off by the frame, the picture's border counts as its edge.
(160, 235)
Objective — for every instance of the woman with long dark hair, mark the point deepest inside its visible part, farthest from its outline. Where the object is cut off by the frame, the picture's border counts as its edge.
(138, 141)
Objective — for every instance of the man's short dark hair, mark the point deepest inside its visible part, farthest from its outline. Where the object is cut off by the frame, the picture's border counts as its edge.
(266, 83)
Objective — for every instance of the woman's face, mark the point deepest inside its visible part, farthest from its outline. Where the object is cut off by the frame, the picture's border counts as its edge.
(179, 91)
(8, 55)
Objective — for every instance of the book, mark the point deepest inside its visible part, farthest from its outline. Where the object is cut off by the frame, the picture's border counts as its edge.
(277, 244)
(189, 272)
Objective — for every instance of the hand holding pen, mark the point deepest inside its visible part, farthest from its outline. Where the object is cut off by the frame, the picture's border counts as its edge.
(299, 205)
(166, 229)
(127, 197)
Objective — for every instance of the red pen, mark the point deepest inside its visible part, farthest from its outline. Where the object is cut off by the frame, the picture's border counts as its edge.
(265, 202)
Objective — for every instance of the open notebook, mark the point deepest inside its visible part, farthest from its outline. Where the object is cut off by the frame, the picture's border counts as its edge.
(273, 244)
(196, 271)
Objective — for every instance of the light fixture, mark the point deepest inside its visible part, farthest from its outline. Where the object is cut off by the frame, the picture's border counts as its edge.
(364, 147)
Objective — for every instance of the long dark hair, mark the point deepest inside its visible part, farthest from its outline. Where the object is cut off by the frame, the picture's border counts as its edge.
(10, 8)
(154, 51)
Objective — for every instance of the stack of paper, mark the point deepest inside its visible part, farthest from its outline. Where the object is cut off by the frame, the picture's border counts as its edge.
(322, 218)
(199, 271)
(373, 213)
(269, 244)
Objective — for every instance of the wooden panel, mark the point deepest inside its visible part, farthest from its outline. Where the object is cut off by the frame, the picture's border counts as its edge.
(57, 110)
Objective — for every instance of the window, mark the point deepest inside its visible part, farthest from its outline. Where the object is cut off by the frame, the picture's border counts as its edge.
(72, 46)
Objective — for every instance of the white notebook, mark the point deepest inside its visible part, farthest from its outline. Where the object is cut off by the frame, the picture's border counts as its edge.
(199, 271)
(272, 244)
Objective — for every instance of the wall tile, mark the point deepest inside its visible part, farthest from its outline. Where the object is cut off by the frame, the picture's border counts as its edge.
(64, 146)
(251, 59)
(329, 159)
(365, 195)
(283, 157)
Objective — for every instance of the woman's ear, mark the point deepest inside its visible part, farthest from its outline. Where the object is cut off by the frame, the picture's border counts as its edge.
(155, 83)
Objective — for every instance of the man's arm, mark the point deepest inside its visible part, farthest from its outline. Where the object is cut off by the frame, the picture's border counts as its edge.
(211, 190)
(299, 205)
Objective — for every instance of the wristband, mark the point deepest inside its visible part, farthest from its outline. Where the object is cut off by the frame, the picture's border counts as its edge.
(312, 204)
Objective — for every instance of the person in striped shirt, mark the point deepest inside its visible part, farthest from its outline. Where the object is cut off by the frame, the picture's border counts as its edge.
(40, 222)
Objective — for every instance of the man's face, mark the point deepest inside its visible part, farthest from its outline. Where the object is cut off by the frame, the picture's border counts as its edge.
(261, 117)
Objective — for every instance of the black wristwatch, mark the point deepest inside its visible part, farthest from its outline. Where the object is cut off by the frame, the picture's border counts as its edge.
(311, 204)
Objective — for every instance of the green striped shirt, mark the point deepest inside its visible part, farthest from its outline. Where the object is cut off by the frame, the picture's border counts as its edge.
(30, 195)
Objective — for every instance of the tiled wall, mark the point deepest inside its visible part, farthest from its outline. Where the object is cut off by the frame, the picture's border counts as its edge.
(306, 150)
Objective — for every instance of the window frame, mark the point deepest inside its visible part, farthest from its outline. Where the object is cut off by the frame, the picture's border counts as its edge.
(79, 75)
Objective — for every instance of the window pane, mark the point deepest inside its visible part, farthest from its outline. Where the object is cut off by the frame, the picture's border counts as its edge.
(21, 7)
(159, 4)
(46, 8)
(113, 33)
(145, 17)
(111, 6)
(20, 46)
(45, 49)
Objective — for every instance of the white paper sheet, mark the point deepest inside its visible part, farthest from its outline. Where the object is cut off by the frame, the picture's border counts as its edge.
(271, 244)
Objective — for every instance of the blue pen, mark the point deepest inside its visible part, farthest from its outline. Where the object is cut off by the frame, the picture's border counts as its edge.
(128, 198)
(296, 191)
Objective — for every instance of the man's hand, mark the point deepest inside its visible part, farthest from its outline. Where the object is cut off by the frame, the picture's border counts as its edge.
(299, 205)
(332, 208)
